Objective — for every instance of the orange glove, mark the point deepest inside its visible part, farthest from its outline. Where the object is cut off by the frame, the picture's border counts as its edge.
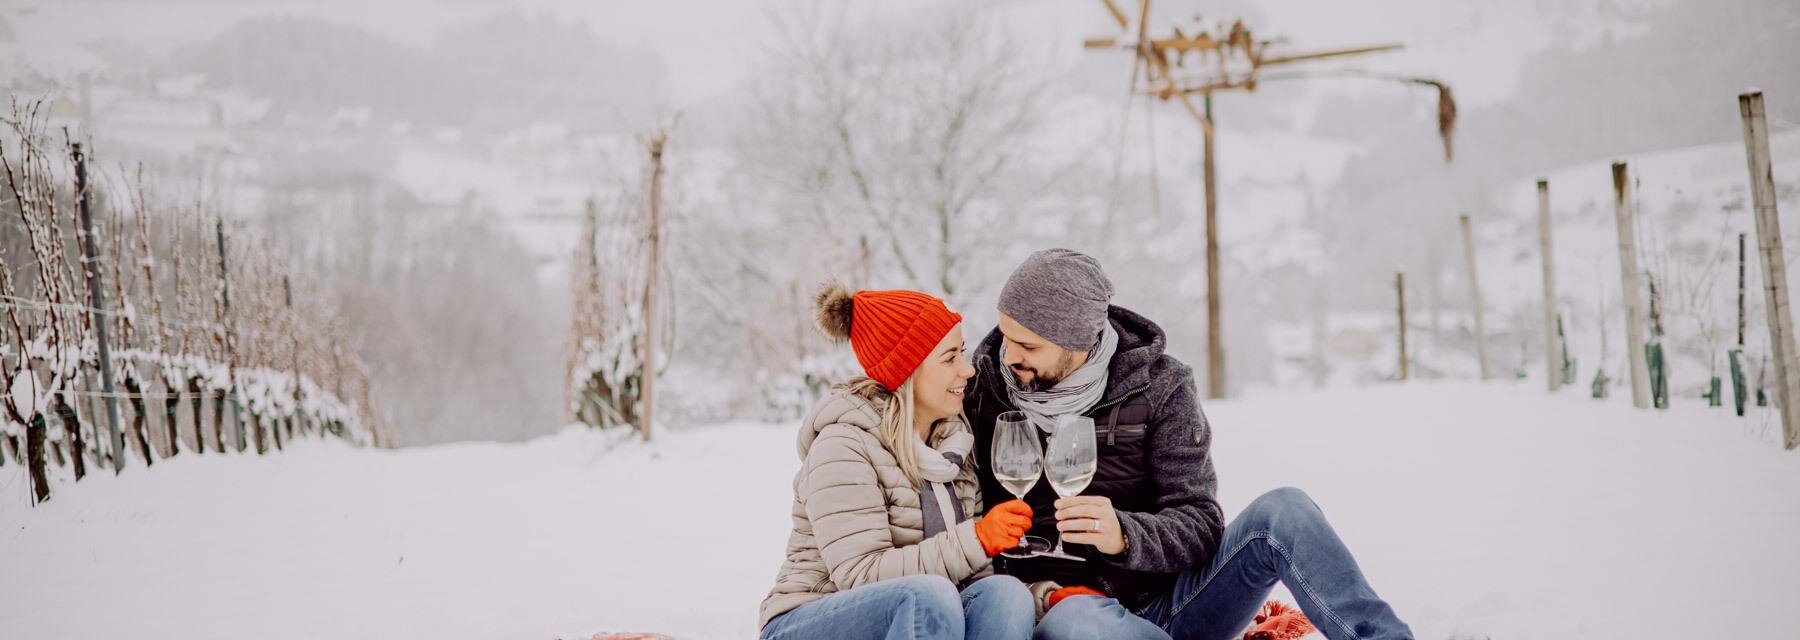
(1277, 621)
(1057, 595)
(1003, 525)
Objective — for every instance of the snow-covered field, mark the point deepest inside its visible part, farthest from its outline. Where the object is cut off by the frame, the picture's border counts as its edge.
(1478, 510)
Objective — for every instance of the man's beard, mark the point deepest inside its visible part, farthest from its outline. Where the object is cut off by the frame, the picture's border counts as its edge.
(1042, 384)
(1044, 381)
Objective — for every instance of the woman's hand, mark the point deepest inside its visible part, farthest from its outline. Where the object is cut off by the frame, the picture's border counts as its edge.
(1003, 525)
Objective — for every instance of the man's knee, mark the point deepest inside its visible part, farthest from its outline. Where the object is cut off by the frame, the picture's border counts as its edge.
(1081, 617)
(1284, 506)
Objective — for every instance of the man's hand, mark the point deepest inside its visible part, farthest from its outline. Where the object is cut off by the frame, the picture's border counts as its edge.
(1058, 595)
(1090, 520)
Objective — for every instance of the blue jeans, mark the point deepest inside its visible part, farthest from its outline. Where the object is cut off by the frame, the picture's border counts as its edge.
(1282, 536)
(919, 606)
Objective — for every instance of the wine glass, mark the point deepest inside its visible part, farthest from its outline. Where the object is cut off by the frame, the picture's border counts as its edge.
(1069, 461)
(1018, 461)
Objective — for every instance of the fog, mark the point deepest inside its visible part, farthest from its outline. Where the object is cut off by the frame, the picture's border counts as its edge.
(427, 169)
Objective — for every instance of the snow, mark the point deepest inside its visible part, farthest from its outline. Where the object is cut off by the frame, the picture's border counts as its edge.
(24, 391)
(1691, 204)
(1478, 510)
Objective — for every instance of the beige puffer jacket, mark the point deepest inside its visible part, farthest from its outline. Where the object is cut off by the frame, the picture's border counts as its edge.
(857, 519)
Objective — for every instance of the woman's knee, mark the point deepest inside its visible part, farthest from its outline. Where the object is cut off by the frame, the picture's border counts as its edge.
(998, 607)
(929, 594)
(999, 591)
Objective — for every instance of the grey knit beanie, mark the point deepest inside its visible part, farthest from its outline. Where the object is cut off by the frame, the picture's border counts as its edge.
(1061, 295)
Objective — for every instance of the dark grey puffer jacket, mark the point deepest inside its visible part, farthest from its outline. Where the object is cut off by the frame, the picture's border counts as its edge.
(1155, 465)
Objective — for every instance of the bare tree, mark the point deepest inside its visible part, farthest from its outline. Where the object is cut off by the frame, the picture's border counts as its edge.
(904, 152)
(914, 134)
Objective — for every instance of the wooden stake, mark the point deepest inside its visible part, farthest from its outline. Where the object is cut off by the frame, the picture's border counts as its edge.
(1739, 389)
(1215, 336)
(1552, 362)
(1656, 364)
(1320, 365)
(35, 434)
(1628, 275)
(198, 398)
(297, 419)
(647, 366)
(134, 392)
(1740, 291)
(230, 352)
(73, 445)
(1774, 263)
(1400, 294)
(90, 258)
(1481, 353)
(1434, 297)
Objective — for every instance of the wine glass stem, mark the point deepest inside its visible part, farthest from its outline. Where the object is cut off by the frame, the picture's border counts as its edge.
(1021, 545)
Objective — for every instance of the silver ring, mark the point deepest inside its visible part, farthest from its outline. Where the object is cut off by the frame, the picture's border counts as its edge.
(1096, 526)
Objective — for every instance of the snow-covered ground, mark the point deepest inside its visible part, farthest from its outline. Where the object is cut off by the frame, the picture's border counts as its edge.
(1479, 510)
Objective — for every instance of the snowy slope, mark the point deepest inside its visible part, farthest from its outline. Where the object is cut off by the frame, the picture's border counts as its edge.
(1692, 203)
(1478, 511)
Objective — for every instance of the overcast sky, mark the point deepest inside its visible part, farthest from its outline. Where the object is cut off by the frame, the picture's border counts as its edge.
(709, 45)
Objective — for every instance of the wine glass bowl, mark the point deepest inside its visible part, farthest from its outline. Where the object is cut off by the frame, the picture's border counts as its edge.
(1070, 458)
(1018, 462)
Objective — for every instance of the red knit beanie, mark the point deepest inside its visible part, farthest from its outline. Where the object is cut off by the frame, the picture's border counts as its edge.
(891, 331)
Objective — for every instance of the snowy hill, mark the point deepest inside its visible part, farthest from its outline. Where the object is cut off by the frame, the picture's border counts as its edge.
(1479, 511)
(1692, 203)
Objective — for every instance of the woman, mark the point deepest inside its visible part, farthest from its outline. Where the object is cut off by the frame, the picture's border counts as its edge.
(883, 534)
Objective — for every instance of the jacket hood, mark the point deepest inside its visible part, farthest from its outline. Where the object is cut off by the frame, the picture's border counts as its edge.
(843, 406)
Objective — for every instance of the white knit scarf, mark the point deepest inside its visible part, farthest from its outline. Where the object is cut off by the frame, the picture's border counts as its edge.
(1072, 396)
(938, 469)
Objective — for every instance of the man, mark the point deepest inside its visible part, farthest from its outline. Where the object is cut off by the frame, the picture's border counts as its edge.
(1160, 560)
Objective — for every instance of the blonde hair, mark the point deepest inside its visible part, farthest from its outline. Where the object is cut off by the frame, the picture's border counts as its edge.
(896, 410)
